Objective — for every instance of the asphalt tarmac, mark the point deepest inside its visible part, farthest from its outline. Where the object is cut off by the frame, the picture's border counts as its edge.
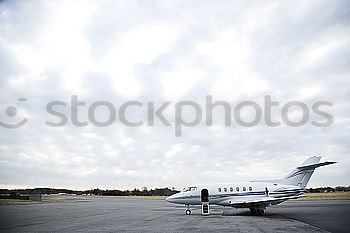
(102, 214)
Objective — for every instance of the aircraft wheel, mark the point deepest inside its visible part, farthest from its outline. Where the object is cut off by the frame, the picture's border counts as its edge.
(188, 212)
(253, 211)
(260, 212)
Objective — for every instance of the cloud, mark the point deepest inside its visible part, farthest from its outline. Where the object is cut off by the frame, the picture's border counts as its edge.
(119, 51)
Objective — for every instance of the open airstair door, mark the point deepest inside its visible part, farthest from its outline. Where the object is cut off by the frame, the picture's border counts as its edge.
(205, 201)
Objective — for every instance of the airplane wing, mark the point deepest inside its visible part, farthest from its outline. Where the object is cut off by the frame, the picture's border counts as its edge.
(249, 202)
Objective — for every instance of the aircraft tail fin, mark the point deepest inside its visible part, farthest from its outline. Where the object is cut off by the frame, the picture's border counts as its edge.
(301, 175)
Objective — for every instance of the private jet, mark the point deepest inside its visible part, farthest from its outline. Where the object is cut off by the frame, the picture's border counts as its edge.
(255, 195)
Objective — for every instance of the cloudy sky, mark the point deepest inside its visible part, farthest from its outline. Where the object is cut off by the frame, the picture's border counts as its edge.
(159, 51)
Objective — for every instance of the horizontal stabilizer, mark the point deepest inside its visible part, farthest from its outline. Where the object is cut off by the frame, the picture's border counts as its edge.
(315, 165)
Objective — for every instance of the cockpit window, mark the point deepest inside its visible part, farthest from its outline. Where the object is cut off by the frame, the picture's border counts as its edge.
(189, 189)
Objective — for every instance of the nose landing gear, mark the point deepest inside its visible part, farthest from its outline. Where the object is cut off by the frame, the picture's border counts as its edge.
(188, 211)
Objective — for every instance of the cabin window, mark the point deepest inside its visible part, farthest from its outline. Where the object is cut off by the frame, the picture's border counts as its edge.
(244, 189)
(225, 189)
(237, 189)
(250, 189)
(231, 189)
(219, 189)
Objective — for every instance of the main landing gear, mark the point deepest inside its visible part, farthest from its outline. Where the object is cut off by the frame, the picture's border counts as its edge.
(188, 211)
(255, 211)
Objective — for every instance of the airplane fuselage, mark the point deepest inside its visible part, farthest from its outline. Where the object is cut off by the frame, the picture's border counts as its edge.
(225, 194)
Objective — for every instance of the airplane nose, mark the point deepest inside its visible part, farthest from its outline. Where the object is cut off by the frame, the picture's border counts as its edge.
(169, 199)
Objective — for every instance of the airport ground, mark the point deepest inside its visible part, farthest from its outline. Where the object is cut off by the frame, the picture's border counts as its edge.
(142, 215)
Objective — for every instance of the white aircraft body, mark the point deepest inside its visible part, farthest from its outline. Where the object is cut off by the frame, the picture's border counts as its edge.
(255, 195)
